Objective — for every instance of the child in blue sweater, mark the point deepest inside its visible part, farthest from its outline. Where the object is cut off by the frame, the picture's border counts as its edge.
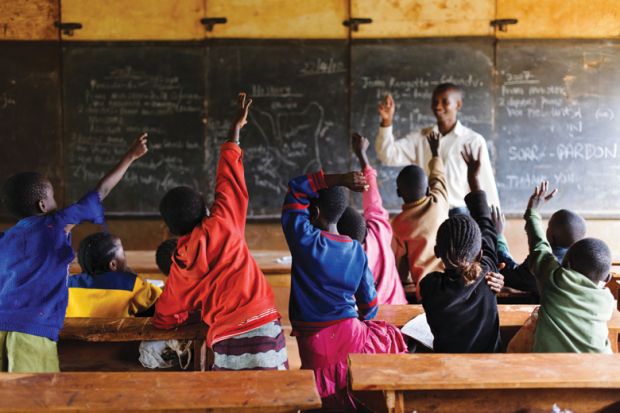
(332, 288)
(34, 264)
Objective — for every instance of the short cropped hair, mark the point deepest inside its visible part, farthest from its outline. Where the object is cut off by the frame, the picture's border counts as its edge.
(163, 255)
(182, 209)
(458, 244)
(96, 251)
(352, 224)
(412, 183)
(590, 257)
(566, 227)
(443, 87)
(23, 191)
(331, 203)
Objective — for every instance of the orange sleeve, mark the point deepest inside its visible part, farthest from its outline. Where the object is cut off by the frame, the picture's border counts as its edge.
(231, 192)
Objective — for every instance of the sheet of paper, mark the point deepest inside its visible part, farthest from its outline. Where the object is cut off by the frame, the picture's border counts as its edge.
(418, 329)
(157, 283)
(285, 260)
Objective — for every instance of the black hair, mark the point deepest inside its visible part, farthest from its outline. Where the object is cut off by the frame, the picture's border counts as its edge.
(458, 244)
(331, 203)
(443, 87)
(96, 251)
(23, 191)
(163, 255)
(590, 257)
(353, 224)
(567, 228)
(412, 183)
(182, 208)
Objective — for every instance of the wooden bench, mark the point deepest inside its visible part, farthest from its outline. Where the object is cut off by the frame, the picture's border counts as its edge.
(111, 344)
(483, 383)
(247, 391)
(511, 318)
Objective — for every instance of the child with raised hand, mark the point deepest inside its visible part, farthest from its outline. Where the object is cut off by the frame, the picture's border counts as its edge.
(564, 228)
(461, 309)
(374, 231)
(575, 305)
(34, 259)
(332, 289)
(213, 272)
(425, 208)
(107, 287)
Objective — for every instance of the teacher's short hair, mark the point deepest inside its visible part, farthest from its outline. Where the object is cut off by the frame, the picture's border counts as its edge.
(443, 87)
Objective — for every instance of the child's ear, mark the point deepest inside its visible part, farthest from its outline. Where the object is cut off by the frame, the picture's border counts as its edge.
(479, 257)
(315, 213)
(42, 206)
(113, 265)
(428, 191)
(436, 252)
(398, 193)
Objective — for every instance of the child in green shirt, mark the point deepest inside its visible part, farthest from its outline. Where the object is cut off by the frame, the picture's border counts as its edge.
(575, 305)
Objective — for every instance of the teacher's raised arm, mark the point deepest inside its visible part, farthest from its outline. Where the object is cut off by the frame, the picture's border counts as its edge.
(446, 102)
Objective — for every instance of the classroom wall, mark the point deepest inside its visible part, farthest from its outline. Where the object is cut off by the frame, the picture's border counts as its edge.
(32, 20)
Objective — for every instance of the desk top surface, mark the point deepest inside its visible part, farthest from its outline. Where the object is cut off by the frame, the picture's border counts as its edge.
(510, 315)
(482, 371)
(258, 390)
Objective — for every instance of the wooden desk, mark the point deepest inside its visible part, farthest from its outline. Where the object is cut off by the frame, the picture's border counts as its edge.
(488, 382)
(251, 391)
(111, 344)
(511, 316)
(143, 262)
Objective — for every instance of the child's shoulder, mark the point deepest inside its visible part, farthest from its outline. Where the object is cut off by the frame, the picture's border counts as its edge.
(124, 281)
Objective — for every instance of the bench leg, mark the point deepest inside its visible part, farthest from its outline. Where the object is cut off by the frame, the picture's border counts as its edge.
(395, 401)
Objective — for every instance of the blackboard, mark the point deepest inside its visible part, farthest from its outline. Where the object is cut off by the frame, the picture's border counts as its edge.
(298, 120)
(114, 92)
(558, 118)
(30, 110)
(410, 70)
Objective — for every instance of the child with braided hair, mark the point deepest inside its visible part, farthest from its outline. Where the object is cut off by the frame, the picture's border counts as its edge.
(460, 307)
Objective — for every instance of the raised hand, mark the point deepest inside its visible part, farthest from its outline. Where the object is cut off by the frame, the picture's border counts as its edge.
(360, 146)
(241, 118)
(138, 148)
(473, 166)
(541, 195)
(355, 181)
(498, 219)
(387, 107)
(433, 141)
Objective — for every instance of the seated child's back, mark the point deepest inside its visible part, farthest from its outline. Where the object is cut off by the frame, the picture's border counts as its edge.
(425, 208)
(575, 305)
(460, 307)
(107, 287)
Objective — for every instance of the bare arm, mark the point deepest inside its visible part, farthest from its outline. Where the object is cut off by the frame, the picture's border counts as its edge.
(112, 178)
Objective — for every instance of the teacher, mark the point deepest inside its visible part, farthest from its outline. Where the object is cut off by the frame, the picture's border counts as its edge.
(446, 102)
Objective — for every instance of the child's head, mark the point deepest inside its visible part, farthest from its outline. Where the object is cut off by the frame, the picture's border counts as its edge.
(459, 246)
(182, 208)
(102, 252)
(328, 207)
(29, 193)
(590, 257)
(352, 224)
(163, 255)
(412, 183)
(565, 228)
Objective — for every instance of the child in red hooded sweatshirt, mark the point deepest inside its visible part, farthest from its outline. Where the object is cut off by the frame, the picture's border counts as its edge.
(214, 273)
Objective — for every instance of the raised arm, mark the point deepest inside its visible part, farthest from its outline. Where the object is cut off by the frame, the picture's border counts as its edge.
(479, 209)
(487, 178)
(371, 199)
(137, 149)
(231, 193)
(437, 178)
(389, 151)
(296, 209)
(541, 260)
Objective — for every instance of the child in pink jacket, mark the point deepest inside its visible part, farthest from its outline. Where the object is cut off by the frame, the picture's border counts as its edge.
(374, 232)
